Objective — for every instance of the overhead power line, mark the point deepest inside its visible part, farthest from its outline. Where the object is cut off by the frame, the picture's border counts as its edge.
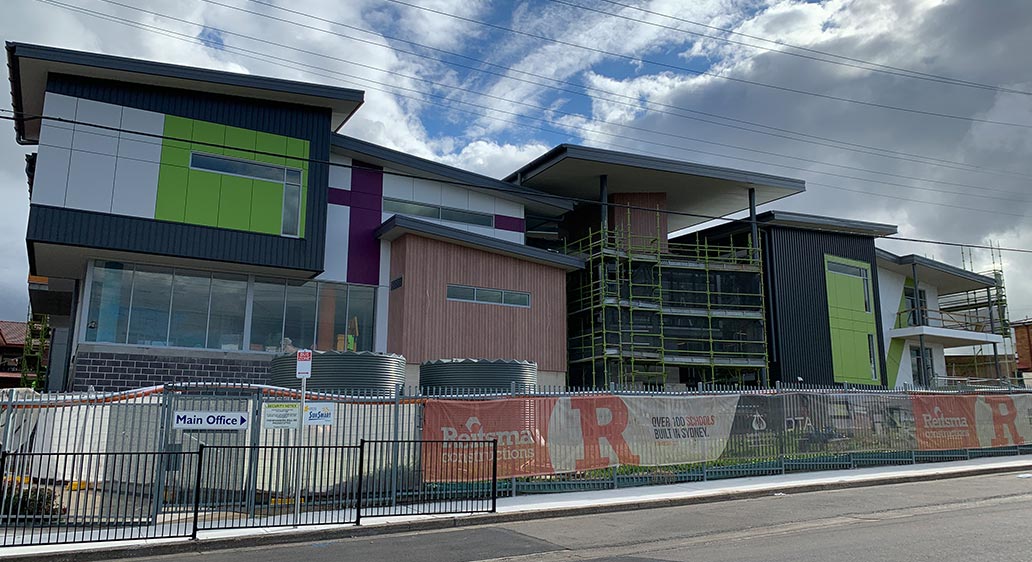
(515, 189)
(264, 57)
(849, 61)
(632, 101)
(544, 110)
(712, 74)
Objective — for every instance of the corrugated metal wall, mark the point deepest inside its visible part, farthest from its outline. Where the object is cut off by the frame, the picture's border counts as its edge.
(424, 325)
(83, 228)
(800, 344)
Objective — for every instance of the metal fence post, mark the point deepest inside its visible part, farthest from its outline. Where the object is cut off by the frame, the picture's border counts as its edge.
(361, 469)
(494, 476)
(395, 453)
(612, 470)
(252, 476)
(197, 490)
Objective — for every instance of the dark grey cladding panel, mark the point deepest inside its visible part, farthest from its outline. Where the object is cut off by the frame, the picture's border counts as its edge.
(800, 343)
(72, 227)
(201, 242)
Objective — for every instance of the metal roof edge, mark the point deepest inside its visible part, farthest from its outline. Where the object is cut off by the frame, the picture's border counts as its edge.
(805, 220)
(654, 163)
(401, 224)
(125, 64)
(942, 267)
(458, 174)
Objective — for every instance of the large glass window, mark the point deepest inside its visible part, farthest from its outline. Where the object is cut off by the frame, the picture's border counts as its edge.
(360, 317)
(299, 323)
(267, 314)
(332, 332)
(158, 306)
(228, 306)
(149, 313)
(190, 293)
(108, 317)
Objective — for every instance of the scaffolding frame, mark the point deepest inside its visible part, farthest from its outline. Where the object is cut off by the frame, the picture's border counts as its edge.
(643, 305)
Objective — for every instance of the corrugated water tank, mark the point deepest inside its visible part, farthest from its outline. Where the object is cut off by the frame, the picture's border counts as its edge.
(477, 373)
(335, 370)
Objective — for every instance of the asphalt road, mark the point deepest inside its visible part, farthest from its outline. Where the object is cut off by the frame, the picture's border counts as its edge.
(966, 519)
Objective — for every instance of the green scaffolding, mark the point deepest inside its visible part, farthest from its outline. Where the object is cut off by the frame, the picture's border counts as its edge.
(645, 311)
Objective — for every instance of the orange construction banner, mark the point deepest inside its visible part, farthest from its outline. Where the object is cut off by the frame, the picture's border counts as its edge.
(945, 422)
(551, 435)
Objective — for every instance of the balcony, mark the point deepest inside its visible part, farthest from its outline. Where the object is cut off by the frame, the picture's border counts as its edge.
(950, 329)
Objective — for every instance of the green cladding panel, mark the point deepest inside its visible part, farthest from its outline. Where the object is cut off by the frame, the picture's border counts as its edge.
(853, 323)
(224, 200)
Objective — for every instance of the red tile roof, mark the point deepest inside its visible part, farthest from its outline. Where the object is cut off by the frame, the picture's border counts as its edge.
(12, 334)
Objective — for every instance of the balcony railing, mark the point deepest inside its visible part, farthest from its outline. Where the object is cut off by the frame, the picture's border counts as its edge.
(970, 321)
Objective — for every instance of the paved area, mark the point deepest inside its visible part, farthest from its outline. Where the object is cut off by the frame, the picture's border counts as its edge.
(545, 505)
(968, 519)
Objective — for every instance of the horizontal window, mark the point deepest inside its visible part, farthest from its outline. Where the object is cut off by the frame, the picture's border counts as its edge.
(488, 296)
(245, 168)
(846, 269)
(437, 212)
(290, 224)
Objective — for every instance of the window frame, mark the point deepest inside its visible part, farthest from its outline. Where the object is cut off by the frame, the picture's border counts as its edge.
(476, 296)
(839, 267)
(490, 218)
(285, 180)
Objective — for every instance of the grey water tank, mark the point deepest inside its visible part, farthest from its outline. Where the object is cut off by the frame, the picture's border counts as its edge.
(477, 373)
(336, 370)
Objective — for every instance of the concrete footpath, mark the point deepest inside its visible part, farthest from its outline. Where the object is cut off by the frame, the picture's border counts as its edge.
(530, 507)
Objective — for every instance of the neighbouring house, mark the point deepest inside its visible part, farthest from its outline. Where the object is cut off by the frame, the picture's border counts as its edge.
(12, 343)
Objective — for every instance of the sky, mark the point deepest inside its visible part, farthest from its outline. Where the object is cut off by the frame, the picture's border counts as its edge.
(488, 86)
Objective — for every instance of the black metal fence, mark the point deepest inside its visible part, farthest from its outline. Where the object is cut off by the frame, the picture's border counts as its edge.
(55, 498)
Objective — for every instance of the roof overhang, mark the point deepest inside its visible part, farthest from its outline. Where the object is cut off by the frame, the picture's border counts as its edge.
(711, 191)
(947, 337)
(534, 201)
(948, 279)
(30, 65)
(802, 221)
(400, 225)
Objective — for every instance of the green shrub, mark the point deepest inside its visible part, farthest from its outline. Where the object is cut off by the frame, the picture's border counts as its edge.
(22, 500)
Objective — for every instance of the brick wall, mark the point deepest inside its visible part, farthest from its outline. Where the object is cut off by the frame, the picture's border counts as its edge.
(107, 370)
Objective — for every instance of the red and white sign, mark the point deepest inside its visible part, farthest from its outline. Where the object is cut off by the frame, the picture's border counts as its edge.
(304, 363)
(972, 422)
(538, 436)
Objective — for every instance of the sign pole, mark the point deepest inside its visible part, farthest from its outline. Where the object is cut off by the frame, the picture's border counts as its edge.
(303, 371)
(301, 445)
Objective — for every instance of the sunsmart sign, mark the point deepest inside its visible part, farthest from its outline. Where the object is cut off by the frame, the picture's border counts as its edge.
(210, 421)
(319, 413)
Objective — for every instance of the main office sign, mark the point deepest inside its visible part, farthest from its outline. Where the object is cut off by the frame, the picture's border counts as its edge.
(210, 421)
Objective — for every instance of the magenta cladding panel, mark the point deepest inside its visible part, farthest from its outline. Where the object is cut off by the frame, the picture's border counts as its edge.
(513, 224)
(366, 201)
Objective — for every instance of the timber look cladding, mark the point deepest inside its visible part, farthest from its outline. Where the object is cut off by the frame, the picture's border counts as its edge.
(424, 325)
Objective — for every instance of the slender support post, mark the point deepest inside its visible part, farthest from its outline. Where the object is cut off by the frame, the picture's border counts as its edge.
(494, 476)
(358, 492)
(197, 490)
(919, 310)
(754, 229)
(992, 328)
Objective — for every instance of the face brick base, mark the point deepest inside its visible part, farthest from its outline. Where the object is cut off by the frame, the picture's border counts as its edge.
(110, 370)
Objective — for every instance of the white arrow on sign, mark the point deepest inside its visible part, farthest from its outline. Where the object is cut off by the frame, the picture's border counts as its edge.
(209, 421)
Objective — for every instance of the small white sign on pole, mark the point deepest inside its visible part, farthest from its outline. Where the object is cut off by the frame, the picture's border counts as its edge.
(280, 415)
(319, 413)
(304, 363)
